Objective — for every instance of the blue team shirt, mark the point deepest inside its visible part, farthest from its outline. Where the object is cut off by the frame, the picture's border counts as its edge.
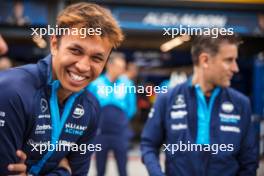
(183, 116)
(26, 120)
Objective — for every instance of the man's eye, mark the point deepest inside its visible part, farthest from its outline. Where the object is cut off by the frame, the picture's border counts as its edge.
(75, 51)
(229, 60)
(97, 59)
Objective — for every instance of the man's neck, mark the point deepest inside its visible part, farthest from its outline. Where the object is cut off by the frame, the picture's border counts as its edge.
(63, 95)
(111, 77)
(128, 74)
(206, 87)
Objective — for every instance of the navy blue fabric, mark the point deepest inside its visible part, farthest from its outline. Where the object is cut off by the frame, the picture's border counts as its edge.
(119, 146)
(113, 121)
(25, 93)
(113, 135)
(114, 132)
(174, 119)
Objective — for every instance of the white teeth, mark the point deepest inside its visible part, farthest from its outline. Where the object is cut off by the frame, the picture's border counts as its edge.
(76, 77)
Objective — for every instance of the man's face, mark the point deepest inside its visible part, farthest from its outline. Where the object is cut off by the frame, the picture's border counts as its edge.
(77, 61)
(222, 66)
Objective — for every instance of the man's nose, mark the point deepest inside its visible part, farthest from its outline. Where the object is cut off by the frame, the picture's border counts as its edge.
(83, 65)
(235, 67)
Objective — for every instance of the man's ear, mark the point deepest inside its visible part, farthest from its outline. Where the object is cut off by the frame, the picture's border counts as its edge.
(204, 59)
(53, 45)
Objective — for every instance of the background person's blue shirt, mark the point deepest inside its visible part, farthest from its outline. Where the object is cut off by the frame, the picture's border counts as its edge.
(115, 93)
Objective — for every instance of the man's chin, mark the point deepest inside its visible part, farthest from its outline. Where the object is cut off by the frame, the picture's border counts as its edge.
(73, 89)
(225, 85)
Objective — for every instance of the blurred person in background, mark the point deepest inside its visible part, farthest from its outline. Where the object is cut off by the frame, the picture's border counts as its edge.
(5, 63)
(260, 28)
(17, 17)
(128, 79)
(116, 111)
(45, 104)
(3, 46)
(206, 112)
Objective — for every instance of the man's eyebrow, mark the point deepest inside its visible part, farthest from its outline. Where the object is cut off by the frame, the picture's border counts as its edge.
(229, 58)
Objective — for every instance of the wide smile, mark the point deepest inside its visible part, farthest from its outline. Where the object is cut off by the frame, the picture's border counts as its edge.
(76, 77)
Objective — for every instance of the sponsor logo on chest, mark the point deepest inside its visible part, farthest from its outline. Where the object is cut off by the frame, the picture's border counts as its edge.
(178, 114)
(75, 129)
(179, 102)
(43, 105)
(227, 115)
(227, 128)
(78, 112)
(227, 107)
(41, 129)
(179, 126)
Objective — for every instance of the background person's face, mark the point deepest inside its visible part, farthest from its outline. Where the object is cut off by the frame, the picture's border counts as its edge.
(133, 70)
(117, 67)
(18, 9)
(222, 66)
(77, 61)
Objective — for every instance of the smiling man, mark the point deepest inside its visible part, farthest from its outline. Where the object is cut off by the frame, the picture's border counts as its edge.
(204, 125)
(44, 110)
